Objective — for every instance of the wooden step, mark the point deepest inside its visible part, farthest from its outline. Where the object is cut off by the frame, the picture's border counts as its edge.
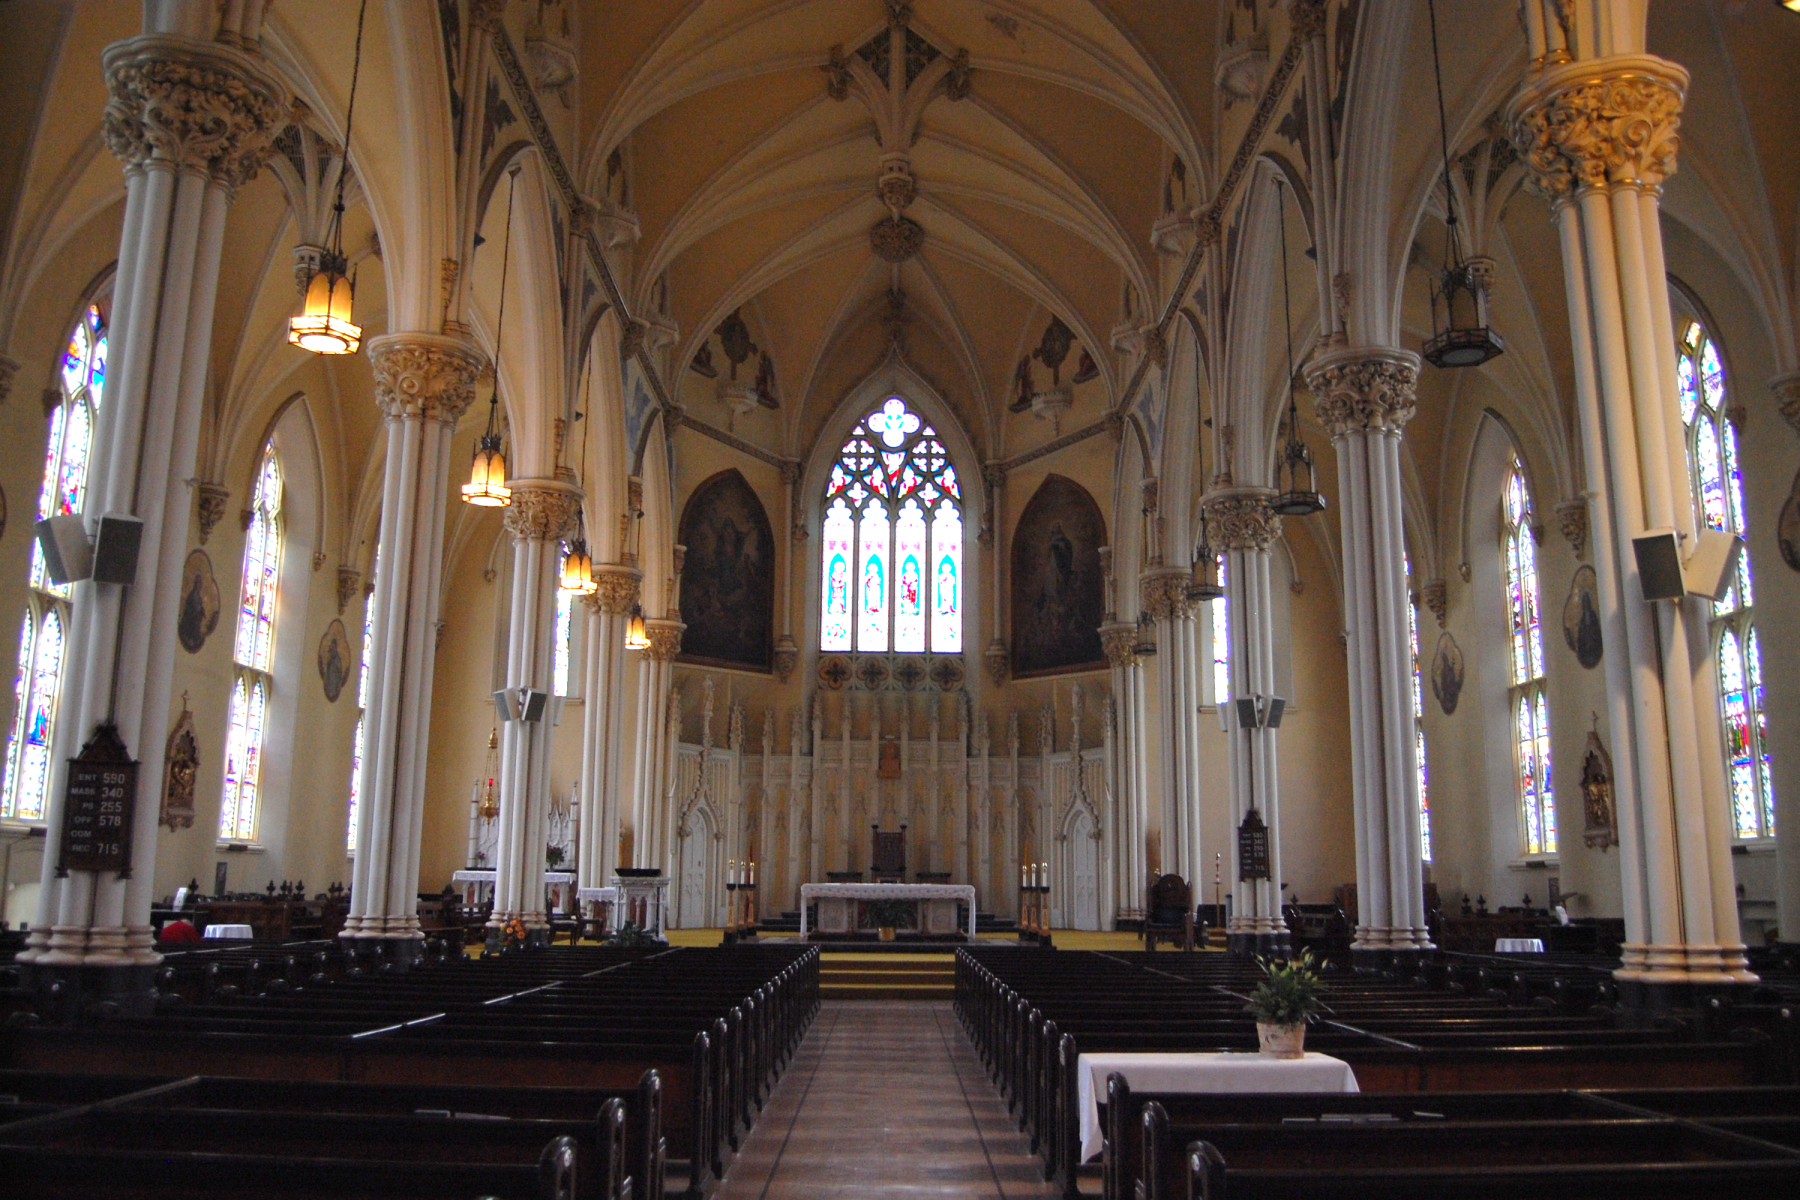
(887, 976)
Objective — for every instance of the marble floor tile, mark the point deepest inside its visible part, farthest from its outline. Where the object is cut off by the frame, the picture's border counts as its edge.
(885, 1100)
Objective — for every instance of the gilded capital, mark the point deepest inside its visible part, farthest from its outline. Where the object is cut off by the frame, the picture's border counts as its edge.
(1596, 122)
(619, 588)
(665, 639)
(1119, 640)
(1787, 398)
(1364, 388)
(1241, 519)
(541, 509)
(191, 106)
(425, 374)
(1165, 593)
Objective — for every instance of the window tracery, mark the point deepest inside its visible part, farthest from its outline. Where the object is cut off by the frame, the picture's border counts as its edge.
(37, 688)
(1530, 707)
(1718, 490)
(254, 655)
(891, 560)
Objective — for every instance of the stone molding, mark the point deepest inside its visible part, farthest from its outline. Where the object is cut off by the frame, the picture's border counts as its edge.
(665, 639)
(210, 504)
(1241, 519)
(1572, 522)
(428, 375)
(619, 588)
(1787, 398)
(1165, 594)
(1119, 639)
(541, 509)
(201, 107)
(1364, 387)
(1436, 596)
(1598, 123)
(349, 580)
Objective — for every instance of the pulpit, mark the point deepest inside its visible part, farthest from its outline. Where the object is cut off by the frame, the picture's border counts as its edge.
(887, 857)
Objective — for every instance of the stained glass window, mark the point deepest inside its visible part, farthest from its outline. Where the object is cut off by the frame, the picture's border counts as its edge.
(362, 708)
(561, 640)
(254, 653)
(891, 559)
(1718, 490)
(1537, 800)
(1219, 620)
(81, 373)
(1418, 698)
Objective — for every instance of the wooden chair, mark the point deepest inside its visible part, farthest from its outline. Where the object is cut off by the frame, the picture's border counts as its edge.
(1169, 916)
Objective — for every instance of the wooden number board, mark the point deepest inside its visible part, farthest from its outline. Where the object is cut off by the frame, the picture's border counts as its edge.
(1253, 847)
(98, 804)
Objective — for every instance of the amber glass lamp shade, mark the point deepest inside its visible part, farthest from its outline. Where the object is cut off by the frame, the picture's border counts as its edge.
(324, 325)
(578, 570)
(636, 636)
(487, 477)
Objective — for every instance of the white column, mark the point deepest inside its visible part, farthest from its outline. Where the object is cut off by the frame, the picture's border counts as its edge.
(1365, 396)
(542, 510)
(603, 720)
(1131, 885)
(1164, 590)
(650, 818)
(1598, 136)
(1244, 527)
(191, 120)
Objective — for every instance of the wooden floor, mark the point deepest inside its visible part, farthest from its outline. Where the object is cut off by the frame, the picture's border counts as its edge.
(885, 1100)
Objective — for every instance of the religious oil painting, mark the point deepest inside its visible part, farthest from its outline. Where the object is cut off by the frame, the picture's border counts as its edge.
(1058, 597)
(334, 660)
(1447, 673)
(199, 602)
(728, 580)
(1581, 618)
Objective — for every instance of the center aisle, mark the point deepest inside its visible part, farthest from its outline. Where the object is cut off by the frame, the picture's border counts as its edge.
(885, 1099)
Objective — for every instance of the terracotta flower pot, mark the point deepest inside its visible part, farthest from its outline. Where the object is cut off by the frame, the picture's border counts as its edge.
(885, 932)
(1282, 1041)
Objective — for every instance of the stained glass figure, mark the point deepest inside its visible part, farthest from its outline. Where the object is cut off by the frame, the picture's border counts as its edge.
(891, 559)
(253, 651)
(1219, 617)
(1526, 644)
(1717, 484)
(362, 709)
(37, 688)
(243, 755)
(1418, 699)
(562, 640)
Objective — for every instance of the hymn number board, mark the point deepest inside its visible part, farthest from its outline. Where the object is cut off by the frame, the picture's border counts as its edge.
(1253, 847)
(98, 804)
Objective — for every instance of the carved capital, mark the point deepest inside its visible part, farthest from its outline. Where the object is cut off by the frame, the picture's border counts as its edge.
(1165, 594)
(619, 588)
(541, 509)
(425, 375)
(665, 639)
(1364, 388)
(210, 507)
(190, 106)
(485, 15)
(1435, 595)
(1242, 520)
(787, 657)
(1787, 398)
(1308, 18)
(1120, 640)
(1572, 520)
(998, 660)
(349, 582)
(1598, 122)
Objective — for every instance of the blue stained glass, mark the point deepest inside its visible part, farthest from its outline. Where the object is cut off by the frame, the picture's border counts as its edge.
(27, 635)
(1710, 468)
(262, 570)
(893, 423)
(1712, 376)
(1690, 389)
(75, 360)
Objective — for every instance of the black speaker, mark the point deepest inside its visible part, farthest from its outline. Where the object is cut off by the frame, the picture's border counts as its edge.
(1659, 565)
(116, 548)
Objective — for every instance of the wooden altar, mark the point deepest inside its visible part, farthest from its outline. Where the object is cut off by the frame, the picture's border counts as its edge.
(837, 904)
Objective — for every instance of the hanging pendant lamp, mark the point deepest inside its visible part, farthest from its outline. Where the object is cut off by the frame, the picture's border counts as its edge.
(1203, 583)
(487, 474)
(578, 564)
(637, 637)
(1297, 495)
(324, 324)
(1460, 297)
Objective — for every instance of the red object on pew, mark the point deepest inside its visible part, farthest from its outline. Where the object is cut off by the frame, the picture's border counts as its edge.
(178, 931)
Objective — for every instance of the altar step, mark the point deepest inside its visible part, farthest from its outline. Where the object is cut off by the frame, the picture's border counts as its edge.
(891, 976)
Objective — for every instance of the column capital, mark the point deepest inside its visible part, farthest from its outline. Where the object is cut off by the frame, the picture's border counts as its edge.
(541, 509)
(1787, 398)
(1598, 122)
(1364, 387)
(1241, 518)
(429, 375)
(193, 106)
(1165, 593)
(1119, 639)
(619, 588)
(665, 639)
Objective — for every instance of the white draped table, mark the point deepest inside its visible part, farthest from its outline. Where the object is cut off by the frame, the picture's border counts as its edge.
(1518, 945)
(229, 932)
(919, 892)
(1195, 1073)
(478, 885)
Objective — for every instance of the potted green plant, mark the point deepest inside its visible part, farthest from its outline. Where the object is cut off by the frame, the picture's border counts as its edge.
(1284, 1003)
(888, 915)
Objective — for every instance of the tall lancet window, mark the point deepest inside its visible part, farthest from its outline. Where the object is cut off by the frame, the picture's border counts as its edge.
(362, 704)
(1418, 697)
(891, 561)
(1219, 620)
(1530, 709)
(254, 655)
(43, 631)
(1712, 455)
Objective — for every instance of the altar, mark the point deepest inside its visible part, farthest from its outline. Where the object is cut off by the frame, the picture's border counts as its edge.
(837, 904)
(478, 889)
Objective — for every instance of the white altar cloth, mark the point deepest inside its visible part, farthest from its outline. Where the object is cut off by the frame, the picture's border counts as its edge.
(1228, 1072)
(886, 891)
(232, 932)
(477, 882)
(601, 895)
(1518, 945)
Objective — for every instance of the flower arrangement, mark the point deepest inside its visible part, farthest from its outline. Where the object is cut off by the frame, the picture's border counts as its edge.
(1289, 993)
(632, 936)
(512, 935)
(890, 914)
